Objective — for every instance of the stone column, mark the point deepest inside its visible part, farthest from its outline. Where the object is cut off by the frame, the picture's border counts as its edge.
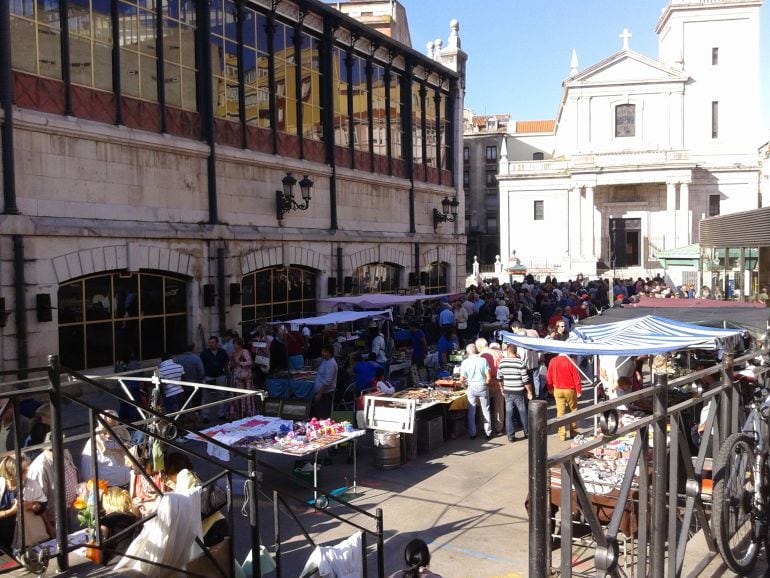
(685, 228)
(575, 222)
(504, 225)
(670, 233)
(589, 246)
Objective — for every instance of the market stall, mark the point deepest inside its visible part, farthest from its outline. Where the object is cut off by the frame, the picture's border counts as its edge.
(648, 335)
(282, 436)
(300, 382)
(419, 414)
(610, 473)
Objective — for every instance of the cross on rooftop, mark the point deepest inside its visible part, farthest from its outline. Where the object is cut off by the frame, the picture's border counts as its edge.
(625, 36)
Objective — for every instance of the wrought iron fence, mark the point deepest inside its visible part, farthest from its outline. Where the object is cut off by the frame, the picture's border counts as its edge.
(49, 382)
(660, 499)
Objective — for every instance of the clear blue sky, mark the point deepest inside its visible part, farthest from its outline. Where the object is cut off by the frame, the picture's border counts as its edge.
(519, 52)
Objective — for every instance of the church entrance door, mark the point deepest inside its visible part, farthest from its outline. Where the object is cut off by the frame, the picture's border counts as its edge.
(625, 242)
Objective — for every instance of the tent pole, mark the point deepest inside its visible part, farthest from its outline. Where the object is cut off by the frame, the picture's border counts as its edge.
(597, 371)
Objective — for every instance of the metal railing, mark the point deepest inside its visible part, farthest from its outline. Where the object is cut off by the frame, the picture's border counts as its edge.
(281, 502)
(50, 382)
(664, 497)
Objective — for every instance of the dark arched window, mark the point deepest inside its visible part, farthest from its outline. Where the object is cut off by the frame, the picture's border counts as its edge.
(277, 293)
(438, 278)
(376, 278)
(625, 120)
(103, 318)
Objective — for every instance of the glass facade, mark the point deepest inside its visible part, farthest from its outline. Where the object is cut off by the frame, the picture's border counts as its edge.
(310, 88)
(360, 104)
(36, 37)
(179, 62)
(417, 128)
(368, 97)
(90, 28)
(396, 122)
(255, 68)
(277, 293)
(224, 60)
(105, 317)
(340, 95)
(138, 54)
(431, 127)
(285, 79)
(379, 111)
(444, 127)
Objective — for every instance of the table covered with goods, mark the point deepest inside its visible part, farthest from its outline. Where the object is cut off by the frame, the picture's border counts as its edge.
(276, 435)
(282, 436)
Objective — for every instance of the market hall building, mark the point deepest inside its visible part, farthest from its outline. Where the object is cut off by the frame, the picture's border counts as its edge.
(173, 169)
(643, 148)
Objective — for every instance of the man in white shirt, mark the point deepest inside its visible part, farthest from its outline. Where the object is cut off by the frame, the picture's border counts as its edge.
(502, 313)
(379, 350)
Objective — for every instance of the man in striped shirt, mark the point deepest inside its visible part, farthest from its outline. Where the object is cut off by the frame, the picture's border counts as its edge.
(172, 392)
(517, 390)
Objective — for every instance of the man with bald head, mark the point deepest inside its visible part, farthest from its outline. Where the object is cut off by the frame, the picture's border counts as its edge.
(475, 375)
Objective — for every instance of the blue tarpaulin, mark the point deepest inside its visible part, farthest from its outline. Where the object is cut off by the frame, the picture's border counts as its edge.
(639, 336)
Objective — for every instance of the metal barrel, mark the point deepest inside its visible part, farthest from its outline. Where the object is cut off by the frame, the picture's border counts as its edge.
(387, 450)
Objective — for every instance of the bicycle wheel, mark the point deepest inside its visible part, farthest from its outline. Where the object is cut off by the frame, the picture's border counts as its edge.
(735, 526)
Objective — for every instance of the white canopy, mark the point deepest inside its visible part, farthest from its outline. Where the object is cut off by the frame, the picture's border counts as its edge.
(338, 317)
(639, 336)
(380, 300)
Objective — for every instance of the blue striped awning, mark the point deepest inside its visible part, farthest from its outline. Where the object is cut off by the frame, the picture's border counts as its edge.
(640, 336)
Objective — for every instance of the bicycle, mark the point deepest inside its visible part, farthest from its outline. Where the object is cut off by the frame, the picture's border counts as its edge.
(742, 486)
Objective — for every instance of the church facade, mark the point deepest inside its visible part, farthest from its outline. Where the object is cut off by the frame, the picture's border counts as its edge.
(643, 148)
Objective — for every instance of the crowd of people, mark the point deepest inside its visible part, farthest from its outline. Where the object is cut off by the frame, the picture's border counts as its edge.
(500, 380)
(135, 480)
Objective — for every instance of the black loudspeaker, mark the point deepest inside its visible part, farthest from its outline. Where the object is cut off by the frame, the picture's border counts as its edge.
(209, 296)
(348, 284)
(413, 280)
(424, 278)
(43, 307)
(235, 293)
(3, 312)
(331, 286)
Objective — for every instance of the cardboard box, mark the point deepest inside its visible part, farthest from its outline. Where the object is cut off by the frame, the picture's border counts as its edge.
(430, 434)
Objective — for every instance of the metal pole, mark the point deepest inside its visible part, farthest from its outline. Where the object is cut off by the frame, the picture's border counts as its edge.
(380, 545)
(20, 297)
(7, 161)
(659, 490)
(254, 513)
(57, 447)
(277, 530)
(221, 304)
(539, 523)
(728, 416)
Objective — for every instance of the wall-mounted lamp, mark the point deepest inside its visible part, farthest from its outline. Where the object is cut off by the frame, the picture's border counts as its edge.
(448, 212)
(284, 200)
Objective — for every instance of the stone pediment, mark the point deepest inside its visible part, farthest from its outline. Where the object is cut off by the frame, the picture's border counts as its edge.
(626, 66)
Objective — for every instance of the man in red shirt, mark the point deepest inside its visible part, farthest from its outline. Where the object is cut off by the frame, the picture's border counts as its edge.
(563, 381)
